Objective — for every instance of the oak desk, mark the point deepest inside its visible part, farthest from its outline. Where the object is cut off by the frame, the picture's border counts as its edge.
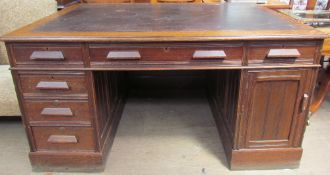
(70, 71)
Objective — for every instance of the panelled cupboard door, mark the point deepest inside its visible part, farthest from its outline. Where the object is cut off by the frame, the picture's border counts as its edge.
(276, 104)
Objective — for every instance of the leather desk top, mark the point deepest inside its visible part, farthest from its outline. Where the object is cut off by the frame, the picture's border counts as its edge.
(146, 22)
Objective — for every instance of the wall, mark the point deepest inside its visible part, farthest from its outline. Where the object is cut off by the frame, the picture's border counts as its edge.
(17, 13)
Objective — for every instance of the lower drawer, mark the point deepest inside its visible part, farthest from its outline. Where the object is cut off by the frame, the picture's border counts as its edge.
(57, 110)
(64, 138)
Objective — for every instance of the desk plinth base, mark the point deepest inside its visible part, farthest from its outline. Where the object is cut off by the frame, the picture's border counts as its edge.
(55, 161)
(265, 159)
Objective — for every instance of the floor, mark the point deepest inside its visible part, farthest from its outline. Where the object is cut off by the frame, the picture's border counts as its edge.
(8, 98)
(175, 135)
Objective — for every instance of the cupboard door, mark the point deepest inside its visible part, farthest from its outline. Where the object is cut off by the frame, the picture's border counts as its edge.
(276, 102)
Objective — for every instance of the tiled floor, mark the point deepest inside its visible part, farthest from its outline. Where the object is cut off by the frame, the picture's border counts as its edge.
(171, 136)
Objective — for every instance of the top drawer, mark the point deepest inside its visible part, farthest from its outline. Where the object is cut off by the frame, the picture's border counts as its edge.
(280, 52)
(58, 55)
(224, 53)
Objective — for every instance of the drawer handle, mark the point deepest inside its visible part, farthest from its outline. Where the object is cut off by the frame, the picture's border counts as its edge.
(124, 55)
(55, 85)
(65, 112)
(62, 139)
(47, 56)
(209, 54)
(283, 53)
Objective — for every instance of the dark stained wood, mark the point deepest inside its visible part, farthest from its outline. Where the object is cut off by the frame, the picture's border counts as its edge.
(166, 52)
(109, 91)
(273, 108)
(291, 52)
(51, 54)
(84, 135)
(224, 100)
(72, 105)
(39, 111)
(255, 158)
(62, 161)
(56, 83)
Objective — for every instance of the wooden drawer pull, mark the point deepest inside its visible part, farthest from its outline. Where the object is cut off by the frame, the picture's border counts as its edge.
(209, 54)
(124, 55)
(62, 139)
(47, 55)
(65, 112)
(283, 53)
(54, 85)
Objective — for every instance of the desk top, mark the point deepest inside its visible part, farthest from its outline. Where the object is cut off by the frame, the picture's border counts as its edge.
(146, 22)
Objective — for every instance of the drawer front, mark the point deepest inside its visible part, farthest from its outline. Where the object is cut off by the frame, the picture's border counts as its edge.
(57, 110)
(50, 83)
(49, 54)
(64, 138)
(231, 53)
(277, 52)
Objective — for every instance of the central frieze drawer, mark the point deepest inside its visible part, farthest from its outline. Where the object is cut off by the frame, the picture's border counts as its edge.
(57, 110)
(64, 138)
(50, 83)
(230, 53)
(68, 55)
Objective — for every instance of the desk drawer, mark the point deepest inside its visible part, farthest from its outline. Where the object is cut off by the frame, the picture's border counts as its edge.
(279, 52)
(69, 55)
(231, 52)
(57, 110)
(64, 138)
(50, 83)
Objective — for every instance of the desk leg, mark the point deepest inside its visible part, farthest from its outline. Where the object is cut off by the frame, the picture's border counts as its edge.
(106, 101)
(261, 115)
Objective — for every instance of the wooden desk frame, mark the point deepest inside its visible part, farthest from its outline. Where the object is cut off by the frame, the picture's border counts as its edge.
(260, 83)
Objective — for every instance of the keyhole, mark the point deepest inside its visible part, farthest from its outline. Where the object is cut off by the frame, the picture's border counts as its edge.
(56, 102)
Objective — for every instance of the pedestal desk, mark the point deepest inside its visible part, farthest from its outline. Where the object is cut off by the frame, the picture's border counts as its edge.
(70, 71)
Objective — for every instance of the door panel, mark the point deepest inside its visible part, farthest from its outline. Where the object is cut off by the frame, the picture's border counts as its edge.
(273, 102)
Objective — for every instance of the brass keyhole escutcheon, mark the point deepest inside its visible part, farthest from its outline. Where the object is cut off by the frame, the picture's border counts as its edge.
(61, 128)
(56, 102)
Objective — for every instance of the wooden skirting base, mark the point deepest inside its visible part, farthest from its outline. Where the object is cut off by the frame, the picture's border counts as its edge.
(265, 159)
(66, 161)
